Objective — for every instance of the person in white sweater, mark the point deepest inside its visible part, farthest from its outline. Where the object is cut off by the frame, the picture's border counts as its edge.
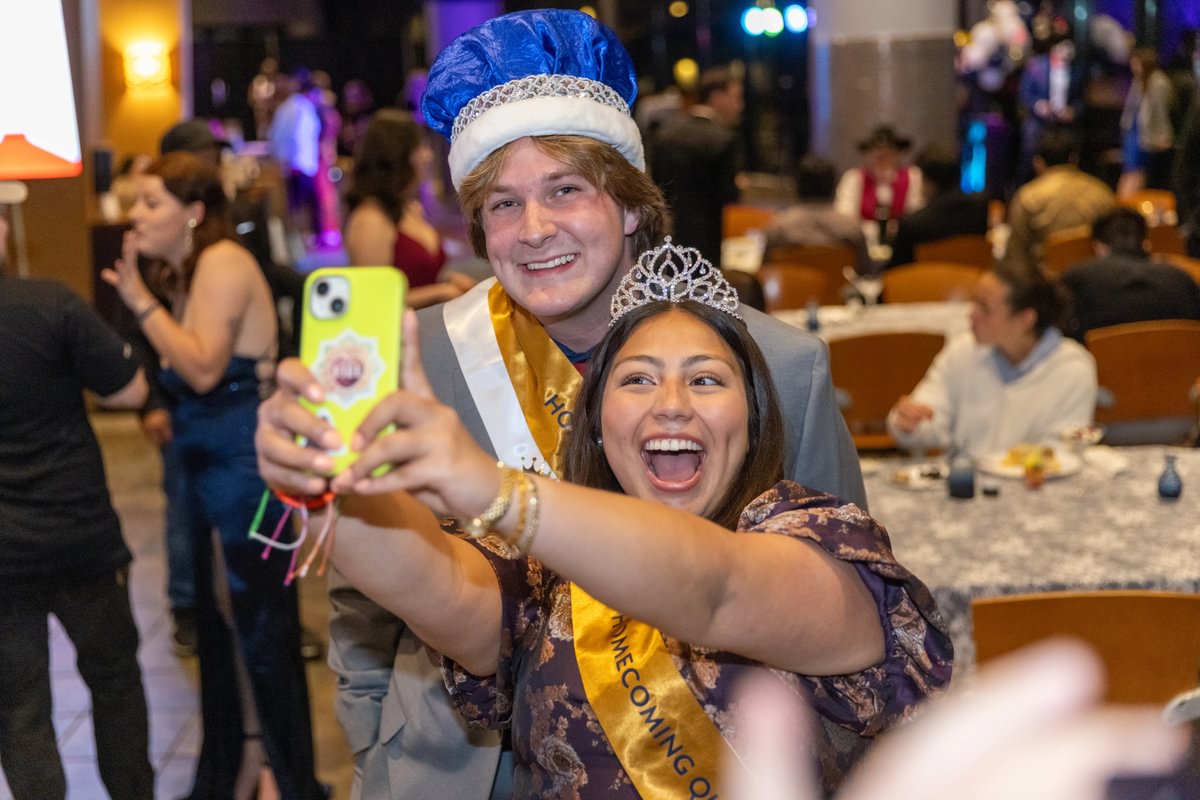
(1013, 379)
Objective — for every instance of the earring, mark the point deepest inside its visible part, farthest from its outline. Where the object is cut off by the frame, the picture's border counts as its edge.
(599, 441)
(187, 234)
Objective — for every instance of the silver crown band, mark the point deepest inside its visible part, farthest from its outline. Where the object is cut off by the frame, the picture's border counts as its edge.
(673, 274)
(536, 86)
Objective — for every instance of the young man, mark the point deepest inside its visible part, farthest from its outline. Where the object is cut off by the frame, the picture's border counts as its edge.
(61, 550)
(548, 163)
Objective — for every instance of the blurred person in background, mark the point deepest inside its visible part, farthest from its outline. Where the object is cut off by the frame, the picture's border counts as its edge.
(1051, 94)
(882, 189)
(813, 220)
(1148, 134)
(1012, 379)
(294, 139)
(61, 549)
(1122, 284)
(947, 210)
(386, 222)
(216, 336)
(1062, 196)
(694, 159)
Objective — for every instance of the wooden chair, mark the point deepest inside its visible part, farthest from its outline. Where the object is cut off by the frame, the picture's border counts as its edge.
(869, 374)
(973, 249)
(786, 285)
(1149, 640)
(737, 218)
(930, 282)
(1146, 371)
(833, 257)
(1156, 205)
(1166, 239)
(1067, 247)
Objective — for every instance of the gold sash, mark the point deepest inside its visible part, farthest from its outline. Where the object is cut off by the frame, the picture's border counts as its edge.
(667, 744)
(546, 383)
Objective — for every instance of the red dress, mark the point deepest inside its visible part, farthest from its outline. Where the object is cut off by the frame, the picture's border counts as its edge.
(421, 266)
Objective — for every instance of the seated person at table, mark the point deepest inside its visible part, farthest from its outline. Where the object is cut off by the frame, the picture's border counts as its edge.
(1062, 196)
(813, 221)
(882, 189)
(1122, 284)
(947, 212)
(687, 529)
(1014, 378)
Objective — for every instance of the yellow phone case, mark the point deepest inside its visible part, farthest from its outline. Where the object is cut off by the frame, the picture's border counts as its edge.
(350, 339)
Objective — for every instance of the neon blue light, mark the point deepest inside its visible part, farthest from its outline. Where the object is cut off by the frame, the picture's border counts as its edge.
(795, 19)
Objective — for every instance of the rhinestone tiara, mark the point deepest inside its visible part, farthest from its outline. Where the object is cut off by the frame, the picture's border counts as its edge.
(536, 86)
(672, 273)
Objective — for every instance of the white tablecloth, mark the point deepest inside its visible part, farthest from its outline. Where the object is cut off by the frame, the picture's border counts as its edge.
(1083, 531)
(839, 322)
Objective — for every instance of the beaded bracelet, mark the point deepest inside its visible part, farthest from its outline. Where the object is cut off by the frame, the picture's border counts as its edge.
(478, 527)
(529, 528)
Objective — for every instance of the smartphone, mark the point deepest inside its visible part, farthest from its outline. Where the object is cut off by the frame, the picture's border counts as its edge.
(350, 340)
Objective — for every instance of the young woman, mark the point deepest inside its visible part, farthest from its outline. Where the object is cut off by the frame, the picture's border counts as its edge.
(218, 341)
(607, 630)
(386, 223)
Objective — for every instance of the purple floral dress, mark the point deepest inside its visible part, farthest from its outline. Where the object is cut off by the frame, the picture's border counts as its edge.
(559, 748)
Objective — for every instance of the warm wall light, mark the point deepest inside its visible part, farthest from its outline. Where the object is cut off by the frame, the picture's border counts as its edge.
(146, 65)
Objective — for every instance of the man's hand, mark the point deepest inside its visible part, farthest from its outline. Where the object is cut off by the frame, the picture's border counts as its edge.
(156, 427)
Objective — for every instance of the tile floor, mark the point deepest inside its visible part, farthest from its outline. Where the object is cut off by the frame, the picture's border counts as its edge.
(171, 684)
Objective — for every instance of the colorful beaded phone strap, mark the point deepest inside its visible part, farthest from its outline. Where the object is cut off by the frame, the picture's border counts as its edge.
(324, 538)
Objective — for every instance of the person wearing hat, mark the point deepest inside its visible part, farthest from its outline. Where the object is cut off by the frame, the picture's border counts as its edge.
(549, 167)
(882, 188)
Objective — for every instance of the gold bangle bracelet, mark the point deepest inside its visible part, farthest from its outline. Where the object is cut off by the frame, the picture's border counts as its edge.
(529, 527)
(478, 527)
(522, 501)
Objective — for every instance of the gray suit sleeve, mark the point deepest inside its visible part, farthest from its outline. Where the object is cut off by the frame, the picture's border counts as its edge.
(821, 454)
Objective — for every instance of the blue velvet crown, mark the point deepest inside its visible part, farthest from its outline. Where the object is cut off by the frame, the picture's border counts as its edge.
(532, 73)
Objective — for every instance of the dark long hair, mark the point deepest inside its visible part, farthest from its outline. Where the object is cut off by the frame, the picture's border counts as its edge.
(190, 179)
(1032, 288)
(383, 168)
(584, 461)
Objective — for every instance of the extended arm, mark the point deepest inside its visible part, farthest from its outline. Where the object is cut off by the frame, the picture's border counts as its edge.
(736, 592)
(217, 304)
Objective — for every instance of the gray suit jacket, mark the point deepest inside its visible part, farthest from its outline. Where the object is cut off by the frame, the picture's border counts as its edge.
(407, 740)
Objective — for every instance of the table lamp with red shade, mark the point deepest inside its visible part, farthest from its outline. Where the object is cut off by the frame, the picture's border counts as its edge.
(39, 133)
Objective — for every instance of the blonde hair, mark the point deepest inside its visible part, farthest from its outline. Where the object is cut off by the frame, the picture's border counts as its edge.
(598, 163)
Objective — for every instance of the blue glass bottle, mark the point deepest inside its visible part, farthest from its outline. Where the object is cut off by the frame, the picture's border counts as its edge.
(1170, 486)
(961, 481)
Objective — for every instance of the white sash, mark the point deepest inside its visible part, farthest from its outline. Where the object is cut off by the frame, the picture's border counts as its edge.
(469, 326)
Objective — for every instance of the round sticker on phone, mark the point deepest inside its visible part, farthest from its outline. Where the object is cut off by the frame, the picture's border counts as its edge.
(348, 368)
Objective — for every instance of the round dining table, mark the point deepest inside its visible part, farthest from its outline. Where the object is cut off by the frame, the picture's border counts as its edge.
(1102, 527)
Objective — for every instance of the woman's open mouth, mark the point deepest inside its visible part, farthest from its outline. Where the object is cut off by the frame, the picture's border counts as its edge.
(673, 464)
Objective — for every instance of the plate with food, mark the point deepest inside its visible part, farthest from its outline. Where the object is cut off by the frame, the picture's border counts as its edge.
(1018, 461)
(919, 477)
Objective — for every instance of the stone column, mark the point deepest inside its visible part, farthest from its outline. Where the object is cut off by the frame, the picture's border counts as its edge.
(881, 61)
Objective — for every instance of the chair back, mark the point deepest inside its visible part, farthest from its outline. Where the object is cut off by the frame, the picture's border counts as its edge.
(1149, 641)
(786, 285)
(930, 282)
(738, 218)
(832, 257)
(973, 249)
(1146, 371)
(1067, 247)
(1166, 239)
(1156, 205)
(869, 374)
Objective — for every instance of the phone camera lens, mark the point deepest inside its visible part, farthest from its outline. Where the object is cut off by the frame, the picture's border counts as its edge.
(322, 288)
(338, 305)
